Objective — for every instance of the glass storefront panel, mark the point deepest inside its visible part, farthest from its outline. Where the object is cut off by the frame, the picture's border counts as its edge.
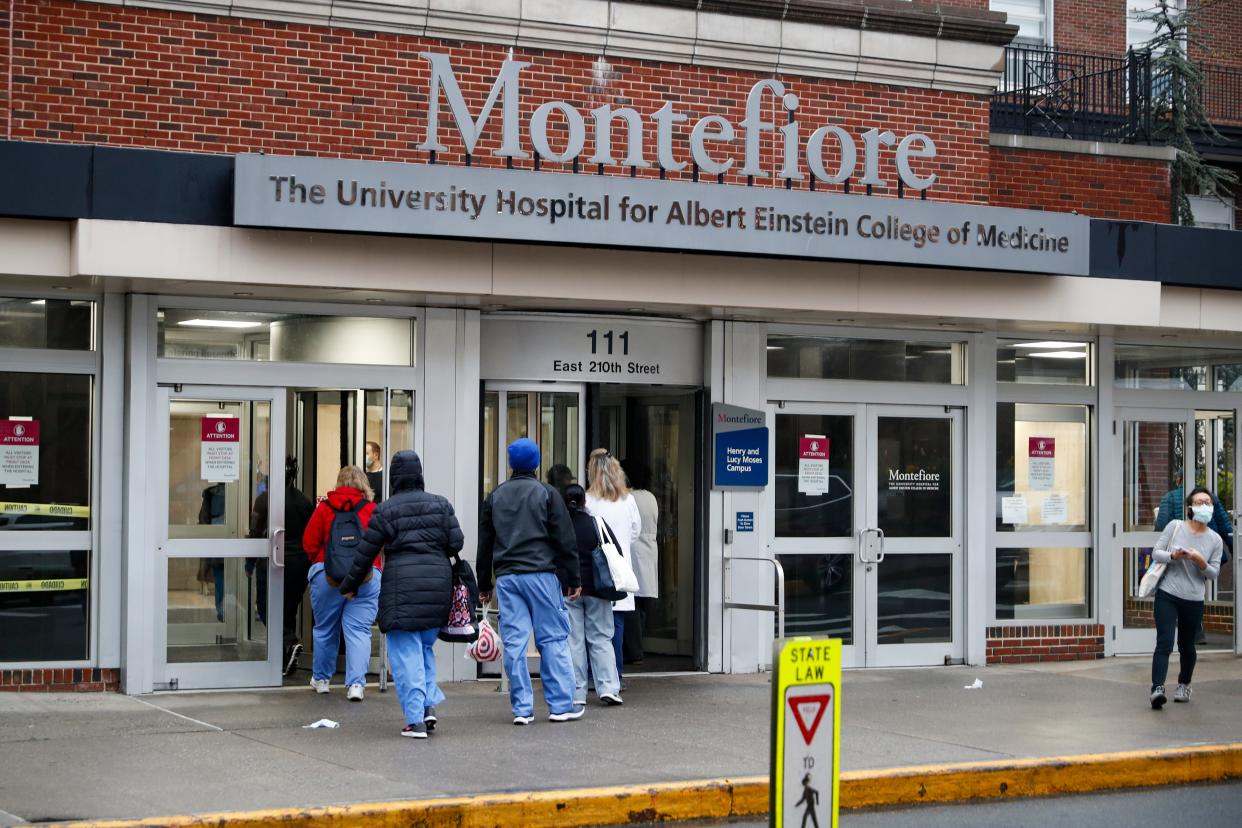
(281, 337)
(1167, 367)
(558, 432)
(802, 357)
(213, 496)
(491, 442)
(1153, 460)
(800, 514)
(914, 599)
(819, 595)
(45, 451)
(62, 324)
(915, 456)
(1043, 462)
(1043, 583)
(44, 605)
(1042, 362)
(217, 608)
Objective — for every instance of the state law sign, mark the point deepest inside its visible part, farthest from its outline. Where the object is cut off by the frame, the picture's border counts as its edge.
(220, 452)
(806, 733)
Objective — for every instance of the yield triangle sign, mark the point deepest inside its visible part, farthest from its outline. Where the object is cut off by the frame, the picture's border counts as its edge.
(808, 711)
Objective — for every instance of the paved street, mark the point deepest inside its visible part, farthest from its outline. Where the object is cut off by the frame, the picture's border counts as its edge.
(1210, 806)
(131, 757)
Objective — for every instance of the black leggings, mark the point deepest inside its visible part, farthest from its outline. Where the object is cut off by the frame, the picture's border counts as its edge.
(1175, 615)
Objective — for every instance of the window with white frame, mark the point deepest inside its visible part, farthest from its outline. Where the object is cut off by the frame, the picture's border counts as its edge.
(1216, 212)
(1139, 31)
(1030, 16)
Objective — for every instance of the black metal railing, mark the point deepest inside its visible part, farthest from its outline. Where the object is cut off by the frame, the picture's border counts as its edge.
(1078, 95)
(1074, 95)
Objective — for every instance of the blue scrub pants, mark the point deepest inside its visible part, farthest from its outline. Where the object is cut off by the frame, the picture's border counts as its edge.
(334, 615)
(413, 660)
(534, 601)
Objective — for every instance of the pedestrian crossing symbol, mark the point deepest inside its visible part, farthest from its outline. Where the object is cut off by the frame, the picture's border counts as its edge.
(806, 725)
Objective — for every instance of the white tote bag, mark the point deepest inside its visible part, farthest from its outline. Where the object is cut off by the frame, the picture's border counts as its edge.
(1151, 578)
(623, 577)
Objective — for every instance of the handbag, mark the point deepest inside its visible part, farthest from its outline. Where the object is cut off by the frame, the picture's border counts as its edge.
(623, 577)
(463, 622)
(604, 586)
(1151, 578)
(487, 646)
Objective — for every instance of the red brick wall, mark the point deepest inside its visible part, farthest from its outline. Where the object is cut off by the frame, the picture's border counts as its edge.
(1050, 642)
(60, 680)
(4, 70)
(1219, 38)
(1101, 187)
(124, 76)
(1097, 26)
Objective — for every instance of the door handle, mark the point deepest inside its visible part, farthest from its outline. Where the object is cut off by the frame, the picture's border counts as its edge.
(278, 548)
(880, 536)
(871, 546)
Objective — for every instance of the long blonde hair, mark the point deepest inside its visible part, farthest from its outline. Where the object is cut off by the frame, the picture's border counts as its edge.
(355, 478)
(606, 477)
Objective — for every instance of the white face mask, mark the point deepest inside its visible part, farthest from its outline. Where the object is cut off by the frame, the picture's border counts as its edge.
(1202, 513)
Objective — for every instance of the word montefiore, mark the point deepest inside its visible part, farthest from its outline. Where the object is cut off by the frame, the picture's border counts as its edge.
(813, 151)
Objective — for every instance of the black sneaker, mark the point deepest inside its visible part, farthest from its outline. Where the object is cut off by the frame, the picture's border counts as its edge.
(1157, 697)
(429, 718)
(291, 657)
(415, 731)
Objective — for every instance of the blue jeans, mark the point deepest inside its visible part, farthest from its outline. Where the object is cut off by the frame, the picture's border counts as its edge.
(534, 601)
(618, 642)
(334, 614)
(1175, 615)
(590, 639)
(413, 659)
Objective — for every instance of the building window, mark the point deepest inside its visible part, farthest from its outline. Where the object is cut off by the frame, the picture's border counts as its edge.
(281, 337)
(1173, 368)
(1030, 16)
(1043, 582)
(1138, 31)
(839, 358)
(1213, 212)
(62, 324)
(1040, 362)
(44, 605)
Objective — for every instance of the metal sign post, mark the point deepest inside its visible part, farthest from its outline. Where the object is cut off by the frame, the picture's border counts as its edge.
(806, 734)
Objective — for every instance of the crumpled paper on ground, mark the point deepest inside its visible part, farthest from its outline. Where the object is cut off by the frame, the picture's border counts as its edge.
(322, 723)
(978, 684)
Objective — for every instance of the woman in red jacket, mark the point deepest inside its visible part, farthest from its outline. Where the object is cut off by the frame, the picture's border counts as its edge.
(331, 537)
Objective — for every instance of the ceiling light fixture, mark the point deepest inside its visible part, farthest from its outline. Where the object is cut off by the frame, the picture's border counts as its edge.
(1059, 354)
(218, 323)
(1057, 345)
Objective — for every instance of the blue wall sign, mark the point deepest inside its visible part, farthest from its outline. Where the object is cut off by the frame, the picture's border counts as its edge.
(740, 447)
(745, 521)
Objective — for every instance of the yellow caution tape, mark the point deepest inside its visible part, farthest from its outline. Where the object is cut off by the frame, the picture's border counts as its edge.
(45, 585)
(53, 509)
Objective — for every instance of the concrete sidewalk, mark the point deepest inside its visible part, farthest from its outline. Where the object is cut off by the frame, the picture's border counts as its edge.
(102, 756)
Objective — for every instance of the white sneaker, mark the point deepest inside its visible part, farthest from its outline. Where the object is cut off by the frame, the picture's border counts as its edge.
(320, 685)
(354, 693)
(611, 699)
(576, 713)
(523, 720)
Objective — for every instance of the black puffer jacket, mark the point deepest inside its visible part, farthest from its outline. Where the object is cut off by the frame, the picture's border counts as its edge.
(418, 533)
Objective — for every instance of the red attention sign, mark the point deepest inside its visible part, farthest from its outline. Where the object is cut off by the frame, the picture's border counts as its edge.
(19, 432)
(221, 430)
(1042, 447)
(813, 448)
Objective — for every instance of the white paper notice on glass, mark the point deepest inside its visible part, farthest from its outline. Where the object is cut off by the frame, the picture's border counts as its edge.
(220, 453)
(19, 452)
(1013, 509)
(1054, 509)
(1041, 457)
(813, 464)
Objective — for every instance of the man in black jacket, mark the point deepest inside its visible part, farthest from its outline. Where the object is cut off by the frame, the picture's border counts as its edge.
(527, 539)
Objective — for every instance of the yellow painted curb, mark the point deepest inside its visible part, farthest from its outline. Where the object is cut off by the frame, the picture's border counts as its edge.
(747, 796)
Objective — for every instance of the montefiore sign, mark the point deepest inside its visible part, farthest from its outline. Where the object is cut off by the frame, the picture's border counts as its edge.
(506, 88)
(586, 208)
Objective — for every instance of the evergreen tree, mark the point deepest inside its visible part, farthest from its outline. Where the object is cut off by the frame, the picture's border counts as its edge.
(1178, 109)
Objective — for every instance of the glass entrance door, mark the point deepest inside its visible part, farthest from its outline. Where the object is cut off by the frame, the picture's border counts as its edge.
(1157, 460)
(550, 414)
(867, 518)
(221, 538)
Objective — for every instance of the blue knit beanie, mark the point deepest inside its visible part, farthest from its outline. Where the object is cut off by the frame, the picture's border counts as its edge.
(523, 455)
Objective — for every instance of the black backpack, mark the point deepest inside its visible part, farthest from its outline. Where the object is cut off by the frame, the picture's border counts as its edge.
(343, 540)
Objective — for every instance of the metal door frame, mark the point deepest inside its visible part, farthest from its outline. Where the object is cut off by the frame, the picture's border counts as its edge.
(216, 674)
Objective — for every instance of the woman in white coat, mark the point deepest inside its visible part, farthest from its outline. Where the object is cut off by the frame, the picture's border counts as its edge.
(646, 561)
(609, 497)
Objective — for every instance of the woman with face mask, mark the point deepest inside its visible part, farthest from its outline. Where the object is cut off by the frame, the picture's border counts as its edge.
(1191, 553)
